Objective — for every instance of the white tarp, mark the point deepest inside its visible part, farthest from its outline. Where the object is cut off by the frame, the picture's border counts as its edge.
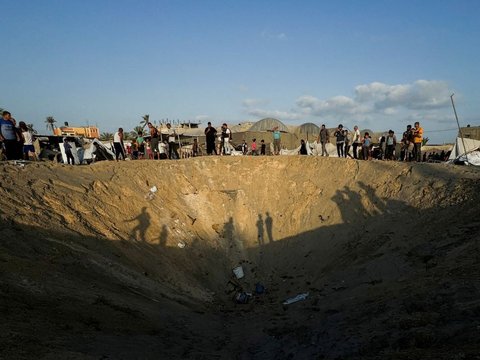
(331, 149)
(297, 150)
(313, 149)
(76, 152)
(472, 150)
(92, 147)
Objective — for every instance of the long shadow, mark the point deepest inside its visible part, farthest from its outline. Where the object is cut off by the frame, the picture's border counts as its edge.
(260, 231)
(143, 223)
(162, 241)
(269, 226)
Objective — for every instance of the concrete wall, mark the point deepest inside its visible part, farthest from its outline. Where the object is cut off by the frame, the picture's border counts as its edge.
(472, 132)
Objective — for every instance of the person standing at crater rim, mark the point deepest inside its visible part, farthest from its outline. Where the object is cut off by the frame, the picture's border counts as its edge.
(210, 135)
(417, 141)
(323, 138)
(118, 144)
(339, 134)
(356, 141)
(276, 140)
(153, 140)
(226, 137)
(172, 151)
(8, 135)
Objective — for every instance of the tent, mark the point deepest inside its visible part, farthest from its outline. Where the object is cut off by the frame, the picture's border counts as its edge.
(307, 129)
(470, 152)
(268, 124)
(297, 150)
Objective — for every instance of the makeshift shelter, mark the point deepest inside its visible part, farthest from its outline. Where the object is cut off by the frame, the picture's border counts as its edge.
(268, 124)
(307, 131)
(297, 150)
(468, 154)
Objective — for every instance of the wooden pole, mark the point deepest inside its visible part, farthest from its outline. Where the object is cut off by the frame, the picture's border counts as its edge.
(459, 128)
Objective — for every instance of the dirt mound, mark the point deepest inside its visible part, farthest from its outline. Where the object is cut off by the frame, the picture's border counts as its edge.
(388, 253)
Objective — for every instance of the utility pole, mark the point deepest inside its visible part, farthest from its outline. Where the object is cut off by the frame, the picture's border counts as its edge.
(459, 128)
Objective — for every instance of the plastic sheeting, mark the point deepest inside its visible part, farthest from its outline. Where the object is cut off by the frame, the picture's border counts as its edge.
(470, 154)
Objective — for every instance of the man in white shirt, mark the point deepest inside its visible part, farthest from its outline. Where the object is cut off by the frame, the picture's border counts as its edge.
(226, 136)
(356, 141)
(118, 144)
(172, 150)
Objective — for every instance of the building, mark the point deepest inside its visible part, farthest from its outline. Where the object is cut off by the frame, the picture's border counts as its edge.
(471, 132)
(86, 131)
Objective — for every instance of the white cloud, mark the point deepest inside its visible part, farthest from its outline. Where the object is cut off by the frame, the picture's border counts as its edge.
(281, 115)
(375, 105)
(420, 95)
(248, 103)
(335, 105)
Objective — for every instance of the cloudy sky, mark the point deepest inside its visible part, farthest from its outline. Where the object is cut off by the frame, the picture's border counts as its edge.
(379, 64)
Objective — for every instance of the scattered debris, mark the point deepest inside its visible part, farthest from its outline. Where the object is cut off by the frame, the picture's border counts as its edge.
(299, 297)
(181, 244)
(259, 288)
(19, 163)
(242, 297)
(151, 194)
(238, 271)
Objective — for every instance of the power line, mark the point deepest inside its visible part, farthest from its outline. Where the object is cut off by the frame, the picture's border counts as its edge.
(429, 131)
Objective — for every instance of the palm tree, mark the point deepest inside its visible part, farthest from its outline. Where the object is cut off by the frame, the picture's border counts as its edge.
(50, 123)
(31, 129)
(146, 120)
(136, 130)
(106, 136)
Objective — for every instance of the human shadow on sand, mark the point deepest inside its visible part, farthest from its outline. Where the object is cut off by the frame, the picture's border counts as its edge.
(143, 223)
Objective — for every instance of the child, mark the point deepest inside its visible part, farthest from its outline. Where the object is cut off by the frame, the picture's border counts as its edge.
(391, 142)
(303, 148)
(254, 147)
(134, 147)
(366, 142)
(195, 148)
(27, 136)
(263, 147)
(244, 147)
(149, 150)
(141, 145)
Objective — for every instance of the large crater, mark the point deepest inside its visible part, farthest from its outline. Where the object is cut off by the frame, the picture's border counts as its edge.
(387, 252)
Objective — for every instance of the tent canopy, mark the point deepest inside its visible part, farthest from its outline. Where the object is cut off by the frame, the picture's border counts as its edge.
(308, 128)
(268, 124)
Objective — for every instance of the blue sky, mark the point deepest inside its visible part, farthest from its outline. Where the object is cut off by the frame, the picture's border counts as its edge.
(378, 64)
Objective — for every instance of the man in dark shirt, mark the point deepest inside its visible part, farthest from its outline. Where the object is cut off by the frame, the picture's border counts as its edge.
(9, 136)
(407, 144)
(210, 134)
(154, 140)
(323, 138)
(339, 134)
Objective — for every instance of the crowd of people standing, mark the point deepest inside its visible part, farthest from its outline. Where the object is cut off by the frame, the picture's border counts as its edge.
(146, 147)
(16, 141)
(410, 149)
